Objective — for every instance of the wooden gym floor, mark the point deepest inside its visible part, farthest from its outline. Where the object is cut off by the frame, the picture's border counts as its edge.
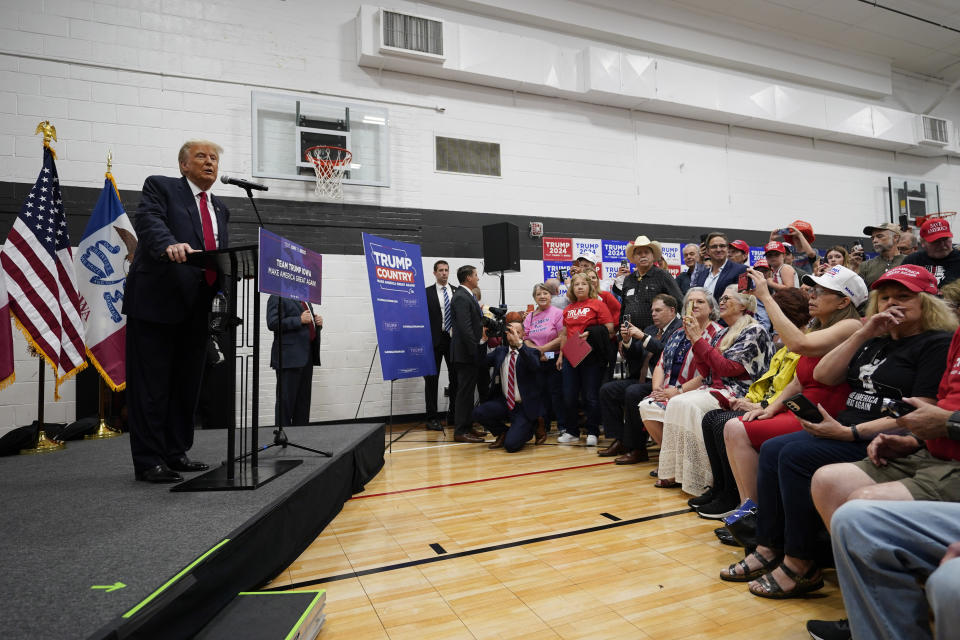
(549, 542)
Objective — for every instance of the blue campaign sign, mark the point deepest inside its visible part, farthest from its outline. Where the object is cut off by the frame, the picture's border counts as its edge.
(288, 270)
(613, 251)
(395, 272)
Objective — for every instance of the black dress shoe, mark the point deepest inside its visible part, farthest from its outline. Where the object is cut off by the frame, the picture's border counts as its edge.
(159, 474)
(705, 498)
(183, 463)
(434, 425)
(468, 437)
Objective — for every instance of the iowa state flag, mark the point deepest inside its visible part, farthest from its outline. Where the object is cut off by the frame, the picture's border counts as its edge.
(103, 255)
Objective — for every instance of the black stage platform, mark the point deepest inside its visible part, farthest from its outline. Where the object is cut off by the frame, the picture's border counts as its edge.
(75, 523)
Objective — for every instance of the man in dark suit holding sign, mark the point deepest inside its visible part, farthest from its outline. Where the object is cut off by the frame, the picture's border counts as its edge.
(167, 305)
(300, 353)
(517, 366)
(466, 350)
(439, 302)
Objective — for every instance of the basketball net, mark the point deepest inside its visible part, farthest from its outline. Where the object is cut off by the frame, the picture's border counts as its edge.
(329, 165)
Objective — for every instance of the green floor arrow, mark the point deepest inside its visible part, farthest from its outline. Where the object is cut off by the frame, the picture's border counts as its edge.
(109, 587)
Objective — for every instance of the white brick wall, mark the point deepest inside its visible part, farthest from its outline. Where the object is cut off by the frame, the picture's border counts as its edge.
(138, 78)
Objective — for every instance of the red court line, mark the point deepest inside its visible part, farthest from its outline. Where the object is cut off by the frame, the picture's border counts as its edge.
(457, 484)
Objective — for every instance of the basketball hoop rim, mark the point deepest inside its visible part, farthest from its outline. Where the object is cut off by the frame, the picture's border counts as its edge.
(344, 160)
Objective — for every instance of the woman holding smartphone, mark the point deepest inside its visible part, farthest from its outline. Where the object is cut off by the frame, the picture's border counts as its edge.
(542, 328)
(899, 351)
(676, 371)
(833, 308)
(587, 320)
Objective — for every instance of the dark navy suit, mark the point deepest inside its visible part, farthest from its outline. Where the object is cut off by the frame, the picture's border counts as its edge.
(729, 274)
(466, 353)
(166, 306)
(441, 350)
(300, 356)
(523, 417)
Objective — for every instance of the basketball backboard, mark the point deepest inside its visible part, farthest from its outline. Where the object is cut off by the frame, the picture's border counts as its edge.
(912, 197)
(284, 126)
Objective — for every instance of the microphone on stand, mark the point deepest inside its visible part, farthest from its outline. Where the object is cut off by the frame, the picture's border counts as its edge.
(243, 184)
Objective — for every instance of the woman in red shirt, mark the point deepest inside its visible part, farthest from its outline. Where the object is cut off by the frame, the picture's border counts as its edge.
(585, 319)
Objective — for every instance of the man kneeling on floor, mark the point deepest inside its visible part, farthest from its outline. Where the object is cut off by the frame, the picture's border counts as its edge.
(518, 402)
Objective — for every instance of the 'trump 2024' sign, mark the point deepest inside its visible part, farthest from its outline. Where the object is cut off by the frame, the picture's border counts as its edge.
(395, 272)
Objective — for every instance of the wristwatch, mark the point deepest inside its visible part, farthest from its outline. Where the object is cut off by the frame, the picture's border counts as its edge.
(953, 426)
(764, 404)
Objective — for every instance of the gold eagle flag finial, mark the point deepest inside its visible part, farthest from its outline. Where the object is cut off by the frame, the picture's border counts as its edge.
(49, 132)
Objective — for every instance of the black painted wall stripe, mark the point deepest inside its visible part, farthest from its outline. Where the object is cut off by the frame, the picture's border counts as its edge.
(334, 227)
(473, 552)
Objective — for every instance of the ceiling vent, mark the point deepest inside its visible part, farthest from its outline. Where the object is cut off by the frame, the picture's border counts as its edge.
(409, 35)
(934, 131)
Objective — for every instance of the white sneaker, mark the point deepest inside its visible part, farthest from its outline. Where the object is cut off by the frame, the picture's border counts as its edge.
(566, 438)
(591, 441)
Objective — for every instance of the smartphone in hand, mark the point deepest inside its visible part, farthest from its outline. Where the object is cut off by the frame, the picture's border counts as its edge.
(895, 408)
(801, 407)
(744, 283)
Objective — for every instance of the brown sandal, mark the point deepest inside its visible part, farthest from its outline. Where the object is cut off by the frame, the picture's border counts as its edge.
(666, 484)
(766, 585)
(745, 573)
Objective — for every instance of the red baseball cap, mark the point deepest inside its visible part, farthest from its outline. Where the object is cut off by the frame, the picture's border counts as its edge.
(913, 277)
(761, 263)
(805, 228)
(741, 245)
(934, 229)
(774, 246)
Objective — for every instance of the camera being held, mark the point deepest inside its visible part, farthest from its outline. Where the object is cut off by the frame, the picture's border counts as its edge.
(494, 321)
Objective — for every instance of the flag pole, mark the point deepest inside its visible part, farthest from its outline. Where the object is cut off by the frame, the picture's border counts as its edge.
(103, 429)
(44, 444)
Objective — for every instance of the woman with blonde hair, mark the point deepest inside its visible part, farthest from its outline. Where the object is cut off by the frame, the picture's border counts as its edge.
(835, 255)
(585, 319)
(742, 354)
(900, 351)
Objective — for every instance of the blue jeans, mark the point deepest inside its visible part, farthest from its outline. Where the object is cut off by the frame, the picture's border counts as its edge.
(584, 379)
(884, 552)
(787, 518)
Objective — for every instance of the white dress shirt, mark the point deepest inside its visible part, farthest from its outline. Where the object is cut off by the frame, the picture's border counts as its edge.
(505, 376)
(443, 317)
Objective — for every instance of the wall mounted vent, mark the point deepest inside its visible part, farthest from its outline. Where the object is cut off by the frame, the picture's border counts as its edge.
(455, 155)
(934, 131)
(410, 35)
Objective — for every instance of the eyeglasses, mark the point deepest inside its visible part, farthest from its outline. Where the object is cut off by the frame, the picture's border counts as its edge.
(818, 291)
(726, 298)
(717, 246)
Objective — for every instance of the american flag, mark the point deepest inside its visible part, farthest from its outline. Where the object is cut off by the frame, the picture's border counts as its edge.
(39, 272)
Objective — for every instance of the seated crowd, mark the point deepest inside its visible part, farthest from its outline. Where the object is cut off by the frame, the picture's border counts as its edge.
(795, 400)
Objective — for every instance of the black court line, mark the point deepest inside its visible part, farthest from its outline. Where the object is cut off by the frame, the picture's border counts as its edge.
(473, 552)
(436, 547)
(611, 516)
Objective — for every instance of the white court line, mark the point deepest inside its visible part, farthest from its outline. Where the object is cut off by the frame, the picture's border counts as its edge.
(436, 446)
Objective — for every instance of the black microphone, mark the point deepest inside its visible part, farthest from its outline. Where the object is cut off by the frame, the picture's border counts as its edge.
(243, 184)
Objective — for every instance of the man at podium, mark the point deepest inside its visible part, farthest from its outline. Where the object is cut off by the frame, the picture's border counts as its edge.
(167, 304)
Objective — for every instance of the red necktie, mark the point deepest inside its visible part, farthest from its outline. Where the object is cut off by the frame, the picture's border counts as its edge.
(209, 242)
(313, 325)
(511, 379)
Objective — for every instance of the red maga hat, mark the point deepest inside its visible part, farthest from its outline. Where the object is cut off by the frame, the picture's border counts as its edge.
(774, 246)
(741, 245)
(934, 229)
(913, 277)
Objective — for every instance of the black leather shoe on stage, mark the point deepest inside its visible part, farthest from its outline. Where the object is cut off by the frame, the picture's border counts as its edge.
(434, 425)
(159, 474)
(183, 463)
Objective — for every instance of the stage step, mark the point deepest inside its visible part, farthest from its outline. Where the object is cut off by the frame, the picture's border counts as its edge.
(269, 615)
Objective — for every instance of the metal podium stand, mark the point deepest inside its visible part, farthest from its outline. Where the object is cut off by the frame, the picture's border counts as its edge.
(239, 267)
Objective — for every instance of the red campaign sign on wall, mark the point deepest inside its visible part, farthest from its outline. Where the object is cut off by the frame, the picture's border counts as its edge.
(674, 269)
(558, 249)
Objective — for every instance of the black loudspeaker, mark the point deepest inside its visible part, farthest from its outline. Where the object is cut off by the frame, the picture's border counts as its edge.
(501, 247)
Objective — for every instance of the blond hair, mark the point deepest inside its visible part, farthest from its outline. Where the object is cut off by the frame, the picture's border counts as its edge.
(935, 314)
(594, 289)
(189, 144)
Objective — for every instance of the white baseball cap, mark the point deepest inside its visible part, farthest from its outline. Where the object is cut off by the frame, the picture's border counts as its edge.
(586, 255)
(842, 280)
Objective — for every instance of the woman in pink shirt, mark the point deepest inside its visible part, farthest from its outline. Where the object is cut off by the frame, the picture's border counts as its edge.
(542, 328)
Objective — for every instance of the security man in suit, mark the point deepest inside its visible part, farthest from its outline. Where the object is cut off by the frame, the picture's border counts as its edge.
(439, 301)
(519, 401)
(466, 350)
(167, 305)
(300, 353)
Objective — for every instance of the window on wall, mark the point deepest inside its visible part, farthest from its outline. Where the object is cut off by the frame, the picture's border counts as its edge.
(457, 155)
(284, 126)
